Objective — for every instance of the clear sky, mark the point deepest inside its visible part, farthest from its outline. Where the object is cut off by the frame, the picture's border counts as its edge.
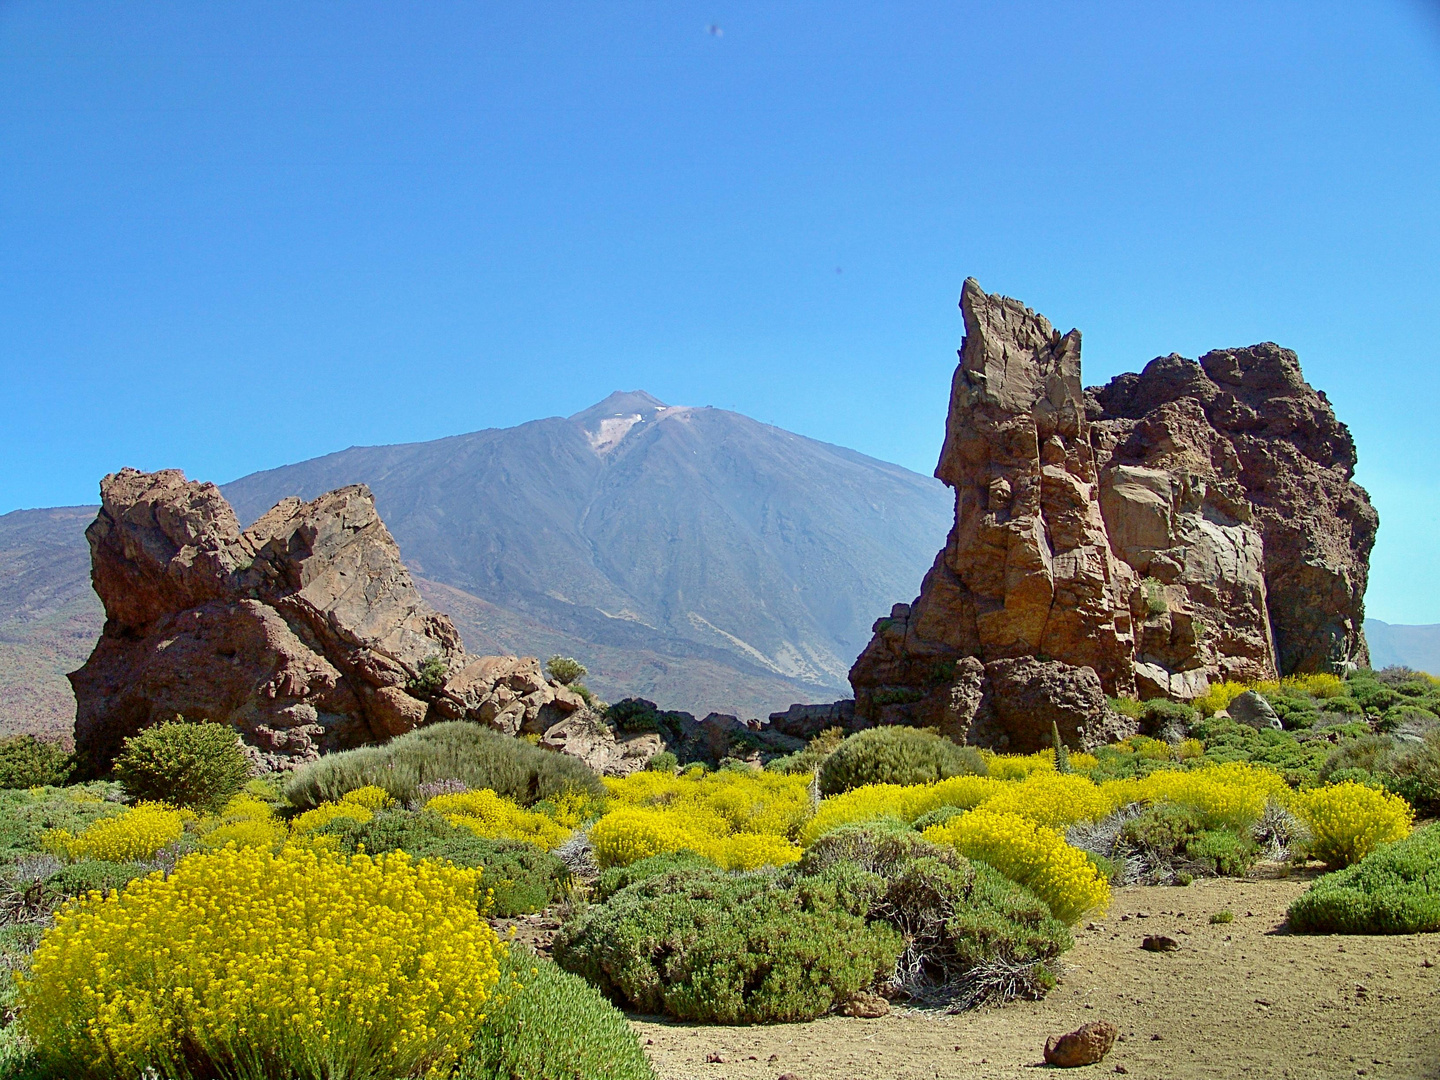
(238, 235)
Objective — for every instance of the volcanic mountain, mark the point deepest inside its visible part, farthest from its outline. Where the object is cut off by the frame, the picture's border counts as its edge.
(690, 555)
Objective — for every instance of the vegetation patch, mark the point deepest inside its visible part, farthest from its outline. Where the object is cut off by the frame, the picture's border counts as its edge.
(896, 755)
(1393, 890)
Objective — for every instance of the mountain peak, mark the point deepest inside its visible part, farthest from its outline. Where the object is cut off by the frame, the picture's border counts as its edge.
(620, 403)
(609, 421)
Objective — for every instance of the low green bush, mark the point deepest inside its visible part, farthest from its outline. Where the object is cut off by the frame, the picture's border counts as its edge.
(521, 877)
(1176, 835)
(458, 750)
(1159, 714)
(664, 761)
(194, 765)
(78, 878)
(896, 755)
(426, 682)
(565, 669)
(971, 935)
(1413, 773)
(1395, 890)
(1368, 753)
(703, 945)
(25, 818)
(551, 1025)
(1299, 762)
(616, 878)
(26, 762)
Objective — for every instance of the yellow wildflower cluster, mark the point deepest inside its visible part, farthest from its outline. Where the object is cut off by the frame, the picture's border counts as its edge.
(487, 814)
(1019, 766)
(631, 833)
(325, 813)
(739, 820)
(1030, 854)
(246, 821)
(1234, 793)
(375, 965)
(130, 836)
(372, 797)
(903, 802)
(1054, 800)
(1348, 821)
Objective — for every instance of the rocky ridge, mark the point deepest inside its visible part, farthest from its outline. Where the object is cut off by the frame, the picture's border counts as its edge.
(1194, 522)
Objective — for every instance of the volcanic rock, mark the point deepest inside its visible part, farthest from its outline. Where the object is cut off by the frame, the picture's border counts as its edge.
(1193, 523)
(304, 632)
(1254, 711)
(1085, 1046)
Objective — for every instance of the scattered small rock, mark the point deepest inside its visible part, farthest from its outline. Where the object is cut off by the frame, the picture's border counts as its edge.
(772, 1059)
(1121, 1069)
(713, 1058)
(1155, 1037)
(1084, 1046)
(866, 1006)
(787, 1076)
(1159, 943)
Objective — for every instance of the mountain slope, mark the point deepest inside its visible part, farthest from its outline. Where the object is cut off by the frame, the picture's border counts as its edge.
(690, 555)
(1411, 646)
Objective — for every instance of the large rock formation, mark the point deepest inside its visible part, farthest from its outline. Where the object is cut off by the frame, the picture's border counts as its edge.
(304, 632)
(1195, 522)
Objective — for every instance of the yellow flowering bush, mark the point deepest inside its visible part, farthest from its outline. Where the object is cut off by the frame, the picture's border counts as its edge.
(753, 802)
(246, 821)
(1218, 697)
(1348, 821)
(325, 813)
(371, 796)
(1030, 854)
(130, 836)
(632, 833)
(486, 814)
(258, 964)
(905, 802)
(1234, 793)
(1053, 800)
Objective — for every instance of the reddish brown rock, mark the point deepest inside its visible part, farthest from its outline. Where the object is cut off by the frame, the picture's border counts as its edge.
(304, 632)
(1192, 523)
(1084, 1046)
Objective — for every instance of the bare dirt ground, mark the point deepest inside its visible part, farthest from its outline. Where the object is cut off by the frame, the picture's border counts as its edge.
(1241, 999)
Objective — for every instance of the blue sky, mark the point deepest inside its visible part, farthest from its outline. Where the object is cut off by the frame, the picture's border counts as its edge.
(238, 235)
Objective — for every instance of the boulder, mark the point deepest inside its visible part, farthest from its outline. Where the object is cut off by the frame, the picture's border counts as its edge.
(1085, 1045)
(1026, 696)
(1254, 711)
(304, 632)
(1193, 523)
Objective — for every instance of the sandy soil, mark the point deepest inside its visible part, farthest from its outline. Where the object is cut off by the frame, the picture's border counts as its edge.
(1243, 999)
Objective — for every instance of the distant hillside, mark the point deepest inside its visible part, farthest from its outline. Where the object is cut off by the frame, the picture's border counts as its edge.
(690, 555)
(1413, 646)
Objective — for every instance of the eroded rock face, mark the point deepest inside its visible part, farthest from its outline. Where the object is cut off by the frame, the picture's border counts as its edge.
(304, 632)
(1192, 523)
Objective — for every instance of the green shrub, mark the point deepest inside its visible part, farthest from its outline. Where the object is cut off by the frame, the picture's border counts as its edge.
(616, 878)
(664, 762)
(522, 878)
(1395, 890)
(76, 879)
(1298, 762)
(1130, 707)
(896, 755)
(195, 765)
(551, 1025)
(1414, 774)
(1368, 753)
(1172, 833)
(459, 750)
(25, 818)
(1159, 714)
(939, 816)
(1372, 695)
(1220, 918)
(971, 935)
(1404, 713)
(565, 669)
(705, 946)
(430, 678)
(26, 762)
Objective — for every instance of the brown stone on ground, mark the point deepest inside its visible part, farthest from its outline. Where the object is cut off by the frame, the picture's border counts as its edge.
(1159, 943)
(1084, 1046)
(304, 632)
(865, 1006)
(1193, 523)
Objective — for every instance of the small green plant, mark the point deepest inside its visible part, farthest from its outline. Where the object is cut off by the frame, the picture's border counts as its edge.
(193, 765)
(27, 761)
(551, 1025)
(1062, 756)
(1129, 707)
(663, 762)
(1184, 878)
(429, 680)
(565, 669)
(1222, 917)
(1152, 595)
(896, 755)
